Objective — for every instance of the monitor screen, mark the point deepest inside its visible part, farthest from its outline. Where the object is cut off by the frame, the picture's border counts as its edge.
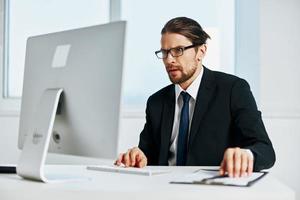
(87, 64)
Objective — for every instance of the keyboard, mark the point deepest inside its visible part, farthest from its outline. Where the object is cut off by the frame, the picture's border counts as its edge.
(127, 170)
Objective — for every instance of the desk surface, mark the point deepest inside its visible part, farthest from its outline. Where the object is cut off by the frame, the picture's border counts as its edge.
(105, 185)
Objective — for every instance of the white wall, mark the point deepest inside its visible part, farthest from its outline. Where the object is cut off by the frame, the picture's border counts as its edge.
(145, 21)
(280, 48)
(280, 84)
(8, 141)
(284, 133)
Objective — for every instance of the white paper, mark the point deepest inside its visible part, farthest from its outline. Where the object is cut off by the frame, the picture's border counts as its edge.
(200, 175)
(240, 181)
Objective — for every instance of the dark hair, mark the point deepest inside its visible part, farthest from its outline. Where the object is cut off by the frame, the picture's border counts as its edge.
(188, 28)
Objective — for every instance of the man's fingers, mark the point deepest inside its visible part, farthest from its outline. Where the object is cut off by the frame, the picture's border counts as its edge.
(133, 157)
(127, 160)
(237, 161)
(250, 166)
(244, 164)
(142, 162)
(141, 159)
(229, 162)
(120, 159)
(222, 169)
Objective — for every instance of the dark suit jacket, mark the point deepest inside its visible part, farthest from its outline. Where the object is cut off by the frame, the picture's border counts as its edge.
(225, 116)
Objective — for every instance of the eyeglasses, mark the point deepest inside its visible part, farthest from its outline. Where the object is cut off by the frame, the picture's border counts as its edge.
(175, 52)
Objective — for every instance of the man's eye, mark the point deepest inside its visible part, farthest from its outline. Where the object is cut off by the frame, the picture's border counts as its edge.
(177, 50)
(164, 51)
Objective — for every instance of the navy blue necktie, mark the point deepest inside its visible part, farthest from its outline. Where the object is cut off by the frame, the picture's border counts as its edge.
(183, 130)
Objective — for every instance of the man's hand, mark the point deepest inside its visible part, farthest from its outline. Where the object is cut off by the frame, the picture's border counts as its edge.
(132, 158)
(237, 162)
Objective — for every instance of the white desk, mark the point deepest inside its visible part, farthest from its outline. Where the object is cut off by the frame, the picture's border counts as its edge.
(104, 185)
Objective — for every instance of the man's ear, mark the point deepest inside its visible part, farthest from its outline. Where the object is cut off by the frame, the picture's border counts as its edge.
(201, 51)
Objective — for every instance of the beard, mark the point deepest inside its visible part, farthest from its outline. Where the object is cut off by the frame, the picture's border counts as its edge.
(184, 75)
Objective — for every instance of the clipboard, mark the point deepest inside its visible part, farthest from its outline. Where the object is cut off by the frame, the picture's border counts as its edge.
(200, 177)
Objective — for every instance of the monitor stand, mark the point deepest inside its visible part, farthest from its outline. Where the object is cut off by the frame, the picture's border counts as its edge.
(35, 148)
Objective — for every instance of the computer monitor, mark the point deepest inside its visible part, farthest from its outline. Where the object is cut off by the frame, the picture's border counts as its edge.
(87, 64)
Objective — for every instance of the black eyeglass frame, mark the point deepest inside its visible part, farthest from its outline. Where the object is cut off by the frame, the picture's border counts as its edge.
(167, 51)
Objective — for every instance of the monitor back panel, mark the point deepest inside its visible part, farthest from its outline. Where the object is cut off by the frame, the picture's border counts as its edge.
(87, 63)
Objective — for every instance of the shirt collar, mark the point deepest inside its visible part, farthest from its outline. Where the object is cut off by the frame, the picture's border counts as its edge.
(192, 89)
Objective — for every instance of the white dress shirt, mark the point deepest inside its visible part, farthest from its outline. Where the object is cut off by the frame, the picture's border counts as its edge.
(192, 90)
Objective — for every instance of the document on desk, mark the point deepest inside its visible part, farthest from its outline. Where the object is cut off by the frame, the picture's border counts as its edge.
(212, 177)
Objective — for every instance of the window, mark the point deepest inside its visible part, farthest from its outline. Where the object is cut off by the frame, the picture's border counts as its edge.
(31, 17)
(143, 73)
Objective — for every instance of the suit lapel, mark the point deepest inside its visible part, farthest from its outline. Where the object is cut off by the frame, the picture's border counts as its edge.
(167, 125)
(206, 92)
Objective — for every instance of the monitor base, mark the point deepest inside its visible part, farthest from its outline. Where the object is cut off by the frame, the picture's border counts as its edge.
(33, 156)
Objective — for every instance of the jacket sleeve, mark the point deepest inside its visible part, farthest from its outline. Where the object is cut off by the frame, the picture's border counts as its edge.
(249, 127)
(146, 142)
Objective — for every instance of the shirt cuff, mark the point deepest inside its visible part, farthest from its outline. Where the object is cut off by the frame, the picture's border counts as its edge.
(250, 153)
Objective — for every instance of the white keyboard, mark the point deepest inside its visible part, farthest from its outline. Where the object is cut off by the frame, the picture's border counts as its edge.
(127, 170)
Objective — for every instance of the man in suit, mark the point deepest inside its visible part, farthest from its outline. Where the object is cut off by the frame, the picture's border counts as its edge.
(204, 117)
